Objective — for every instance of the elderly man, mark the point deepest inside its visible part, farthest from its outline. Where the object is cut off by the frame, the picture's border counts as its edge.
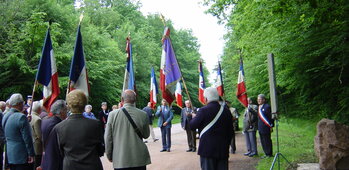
(186, 116)
(265, 125)
(215, 124)
(35, 124)
(124, 143)
(52, 159)
(88, 112)
(250, 127)
(150, 115)
(80, 139)
(164, 123)
(20, 150)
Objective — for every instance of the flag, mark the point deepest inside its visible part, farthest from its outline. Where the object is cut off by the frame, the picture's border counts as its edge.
(178, 93)
(153, 89)
(78, 78)
(129, 81)
(241, 88)
(219, 83)
(170, 73)
(201, 84)
(47, 74)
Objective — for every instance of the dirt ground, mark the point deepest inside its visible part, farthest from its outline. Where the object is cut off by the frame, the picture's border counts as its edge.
(179, 159)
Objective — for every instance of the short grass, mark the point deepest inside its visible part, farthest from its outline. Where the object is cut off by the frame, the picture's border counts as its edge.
(296, 141)
(176, 119)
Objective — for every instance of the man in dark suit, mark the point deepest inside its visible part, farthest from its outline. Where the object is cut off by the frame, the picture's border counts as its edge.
(186, 116)
(265, 125)
(19, 146)
(80, 139)
(103, 114)
(52, 159)
(215, 133)
(164, 123)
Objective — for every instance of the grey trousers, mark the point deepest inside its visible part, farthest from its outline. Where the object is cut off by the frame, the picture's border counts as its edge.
(251, 142)
(191, 137)
(213, 164)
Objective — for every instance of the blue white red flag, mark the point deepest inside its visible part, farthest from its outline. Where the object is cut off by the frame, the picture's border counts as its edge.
(241, 88)
(201, 84)
(47, 74)
(78, 78)
(178, 92)
(170, 73)
(153, 88)
(129, 81)
(219, 83)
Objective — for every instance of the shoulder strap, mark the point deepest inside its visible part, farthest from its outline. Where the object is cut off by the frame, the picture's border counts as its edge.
(207, 127)
(132, 123)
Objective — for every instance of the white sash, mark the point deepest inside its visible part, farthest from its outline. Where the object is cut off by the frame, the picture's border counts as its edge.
(207, 127)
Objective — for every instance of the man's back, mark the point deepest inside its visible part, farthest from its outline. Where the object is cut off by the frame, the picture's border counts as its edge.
(18, 136)
(214, 143)
(81, 142)
(123, 146)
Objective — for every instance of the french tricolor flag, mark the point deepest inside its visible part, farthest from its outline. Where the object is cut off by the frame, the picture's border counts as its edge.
(129, 81)
(78, 72)
(219, 83)
(201, 84)
(178, 94)
(241, 88)
(47, 73)
(153, 88)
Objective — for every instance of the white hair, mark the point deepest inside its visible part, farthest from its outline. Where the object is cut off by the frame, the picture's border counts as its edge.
(58, 106)
(88, 106)
(16, 99)
(36, 106)
(211, 94)
(262, 96)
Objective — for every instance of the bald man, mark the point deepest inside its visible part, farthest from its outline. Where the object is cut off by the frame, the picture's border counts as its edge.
(123, 145)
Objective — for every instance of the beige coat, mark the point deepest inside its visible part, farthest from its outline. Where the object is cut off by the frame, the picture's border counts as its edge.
(122, 144)
(35, 124)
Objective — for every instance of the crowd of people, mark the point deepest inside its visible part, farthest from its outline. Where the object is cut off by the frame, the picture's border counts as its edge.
(70, 136)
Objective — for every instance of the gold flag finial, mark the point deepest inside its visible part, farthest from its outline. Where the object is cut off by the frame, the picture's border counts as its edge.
(163, 19)
(81, 17)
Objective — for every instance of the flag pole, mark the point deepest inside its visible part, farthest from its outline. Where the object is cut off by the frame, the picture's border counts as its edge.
(184, 84)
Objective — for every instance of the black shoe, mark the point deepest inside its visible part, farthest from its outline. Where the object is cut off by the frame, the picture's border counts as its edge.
(168, 150)
(145, 141)
(252, 155)
(189, 150)
(193, 150)
(247, 153)
(156, 140)
(163, 150)
(233, 152)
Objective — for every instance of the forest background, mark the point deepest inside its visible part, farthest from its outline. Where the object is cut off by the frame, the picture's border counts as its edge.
(308, 38)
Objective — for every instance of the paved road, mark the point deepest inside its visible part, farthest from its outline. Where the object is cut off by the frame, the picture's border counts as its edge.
(179, 159)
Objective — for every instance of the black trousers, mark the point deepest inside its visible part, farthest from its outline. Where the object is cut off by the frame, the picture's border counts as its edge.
(37, 160)
(232, 143)
(266, 144)
(213, 164)
(191, 137)
(21, 166)
(133, 168)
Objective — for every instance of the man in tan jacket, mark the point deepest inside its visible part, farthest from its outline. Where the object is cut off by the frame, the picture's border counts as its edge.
(123, 145)
(35, 124)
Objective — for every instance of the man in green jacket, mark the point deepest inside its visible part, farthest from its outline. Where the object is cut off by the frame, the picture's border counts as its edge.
(123, 145)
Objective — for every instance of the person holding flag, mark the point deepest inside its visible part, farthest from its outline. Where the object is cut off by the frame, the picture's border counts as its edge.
(201, 84)
(186, 117)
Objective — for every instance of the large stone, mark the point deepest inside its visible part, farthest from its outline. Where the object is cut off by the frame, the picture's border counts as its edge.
(332, 145)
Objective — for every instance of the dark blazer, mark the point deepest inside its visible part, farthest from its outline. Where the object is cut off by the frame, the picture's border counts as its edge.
(215, 142)
(164, 116)
(52, 159)
(81, 143)
(19, 142)
(103, 117)
(186, 119)
(149, 112)
(263, 128)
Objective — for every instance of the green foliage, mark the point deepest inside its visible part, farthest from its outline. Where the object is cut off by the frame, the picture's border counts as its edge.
(105, 26)
(310, 42)
(296, 138)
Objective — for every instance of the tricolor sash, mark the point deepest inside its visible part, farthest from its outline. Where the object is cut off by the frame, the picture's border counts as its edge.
(262, 116)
